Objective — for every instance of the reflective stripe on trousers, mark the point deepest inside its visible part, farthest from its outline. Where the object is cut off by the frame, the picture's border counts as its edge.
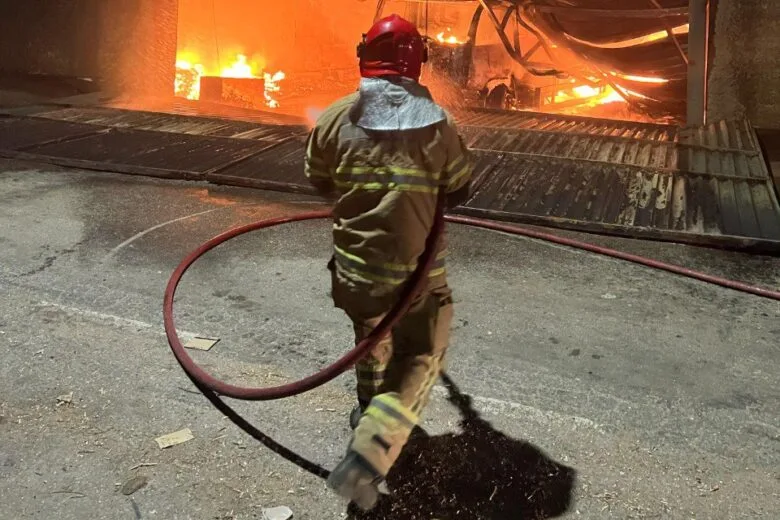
(407, 361)
(393, 274)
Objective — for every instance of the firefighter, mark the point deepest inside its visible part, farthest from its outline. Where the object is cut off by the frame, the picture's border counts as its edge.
(383, 154)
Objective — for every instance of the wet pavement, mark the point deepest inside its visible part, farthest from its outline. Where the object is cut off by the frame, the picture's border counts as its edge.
(585, 387)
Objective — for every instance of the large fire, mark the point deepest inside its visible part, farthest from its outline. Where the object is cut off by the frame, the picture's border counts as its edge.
(189, 72)
(573, 99)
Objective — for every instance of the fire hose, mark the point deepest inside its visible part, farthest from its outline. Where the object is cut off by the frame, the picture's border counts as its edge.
(213, 388)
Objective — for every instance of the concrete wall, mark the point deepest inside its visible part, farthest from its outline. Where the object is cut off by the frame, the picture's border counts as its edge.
(130, 45)
(744, 74)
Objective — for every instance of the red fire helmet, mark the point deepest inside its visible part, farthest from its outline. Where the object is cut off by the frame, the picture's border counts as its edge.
(392, 47)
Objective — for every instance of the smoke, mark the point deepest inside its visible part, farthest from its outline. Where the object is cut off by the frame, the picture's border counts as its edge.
(312, 114)
(444, 90)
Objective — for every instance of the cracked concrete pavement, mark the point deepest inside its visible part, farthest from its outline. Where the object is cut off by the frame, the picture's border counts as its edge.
(602, 389)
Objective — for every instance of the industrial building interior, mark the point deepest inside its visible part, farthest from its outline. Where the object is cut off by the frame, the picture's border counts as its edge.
(504, 55)
(617, 315)
(645, 120)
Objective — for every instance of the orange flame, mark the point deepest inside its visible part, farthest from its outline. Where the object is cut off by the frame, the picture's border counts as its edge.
(591, 96)
(189, 72)
(238, 69)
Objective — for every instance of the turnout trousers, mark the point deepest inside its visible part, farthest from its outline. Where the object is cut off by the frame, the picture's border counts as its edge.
(394, 380)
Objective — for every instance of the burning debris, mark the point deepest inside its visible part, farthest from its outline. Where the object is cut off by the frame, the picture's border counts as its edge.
(637, 48)
(237, 84)
(570, 56)
(187, 84)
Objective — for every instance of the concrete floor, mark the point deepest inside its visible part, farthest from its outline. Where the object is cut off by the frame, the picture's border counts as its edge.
(597, 389)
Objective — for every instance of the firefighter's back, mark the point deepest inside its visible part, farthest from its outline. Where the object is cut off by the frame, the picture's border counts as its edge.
(388, 183)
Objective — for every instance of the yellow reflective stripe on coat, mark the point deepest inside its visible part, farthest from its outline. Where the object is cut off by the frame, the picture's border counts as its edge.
(316, 169)
(387, 178)
(457, 169)
(394, 274)
(396, 170)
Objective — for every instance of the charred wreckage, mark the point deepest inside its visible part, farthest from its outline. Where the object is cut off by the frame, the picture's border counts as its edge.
(563, 55)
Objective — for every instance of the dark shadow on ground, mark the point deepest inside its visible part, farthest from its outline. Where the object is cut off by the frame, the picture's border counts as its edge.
(479, 474)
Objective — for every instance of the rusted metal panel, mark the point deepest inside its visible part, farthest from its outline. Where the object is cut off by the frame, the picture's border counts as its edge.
(630, 201)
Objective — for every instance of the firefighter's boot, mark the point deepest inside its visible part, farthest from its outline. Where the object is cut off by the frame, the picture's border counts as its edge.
(357, 412)
(355, 479)
(354, 416)
(379, 437)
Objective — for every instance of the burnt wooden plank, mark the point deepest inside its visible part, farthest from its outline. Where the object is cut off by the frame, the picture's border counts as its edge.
(748, 223)
(175, 123)
(494, 181)
(581, 205)
(100, 166)
(598, 194)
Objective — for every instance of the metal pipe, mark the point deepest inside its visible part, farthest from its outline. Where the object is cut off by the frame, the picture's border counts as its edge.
(670, 33)
(508, 45)
(380, 6)
(698, 35)
(612, 13)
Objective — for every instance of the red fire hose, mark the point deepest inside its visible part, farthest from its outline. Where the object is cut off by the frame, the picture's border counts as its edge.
(205, 381)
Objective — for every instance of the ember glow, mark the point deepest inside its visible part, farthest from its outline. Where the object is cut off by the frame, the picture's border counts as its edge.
(449, 38)
(642, 79)
(189, 71)
(583, 96)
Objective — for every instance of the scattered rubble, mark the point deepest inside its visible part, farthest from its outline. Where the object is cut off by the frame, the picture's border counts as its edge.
(133, 485)
(277, 513)
(172, 439)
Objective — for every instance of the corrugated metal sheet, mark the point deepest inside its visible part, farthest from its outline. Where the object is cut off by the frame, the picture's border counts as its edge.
(172, 123)
(186, 107)
(18, 133)
(153, 153)
(519, 120)
(706, 186)
(628, 201)
(667, 155)
(279, 168)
